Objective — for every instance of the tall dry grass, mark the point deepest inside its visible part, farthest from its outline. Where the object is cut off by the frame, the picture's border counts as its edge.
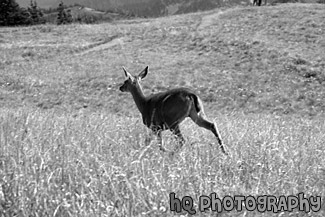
(96, 164)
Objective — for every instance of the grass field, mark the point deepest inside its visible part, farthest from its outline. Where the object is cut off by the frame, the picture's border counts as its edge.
(71, 144)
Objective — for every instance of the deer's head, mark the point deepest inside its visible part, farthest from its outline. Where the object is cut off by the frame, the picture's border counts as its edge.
(131, 81)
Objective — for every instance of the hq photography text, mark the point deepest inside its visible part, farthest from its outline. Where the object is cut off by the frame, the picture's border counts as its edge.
(250, 203)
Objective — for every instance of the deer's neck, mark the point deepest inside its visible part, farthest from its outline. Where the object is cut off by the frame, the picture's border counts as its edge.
(139, 98)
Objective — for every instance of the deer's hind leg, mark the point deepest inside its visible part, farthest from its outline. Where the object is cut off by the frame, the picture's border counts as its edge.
(160, 140)
(157, 132)
(201, 120)
(179, 135)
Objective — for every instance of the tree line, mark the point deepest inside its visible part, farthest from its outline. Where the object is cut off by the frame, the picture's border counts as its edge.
(11, 14)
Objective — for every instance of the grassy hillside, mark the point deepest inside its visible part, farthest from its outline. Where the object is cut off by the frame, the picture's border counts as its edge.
(71, 144)
(268, 59)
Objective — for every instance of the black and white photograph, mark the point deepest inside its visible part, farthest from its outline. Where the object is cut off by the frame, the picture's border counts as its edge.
(136, 108)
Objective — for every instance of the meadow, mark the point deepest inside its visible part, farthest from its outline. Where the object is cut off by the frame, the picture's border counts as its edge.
(71, 144)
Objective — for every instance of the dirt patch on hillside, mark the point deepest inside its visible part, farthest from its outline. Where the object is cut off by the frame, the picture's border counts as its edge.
(101, 46)
(208, 20)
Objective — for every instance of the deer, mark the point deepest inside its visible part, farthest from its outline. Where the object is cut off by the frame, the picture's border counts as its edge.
(166, 110)
(257, 2)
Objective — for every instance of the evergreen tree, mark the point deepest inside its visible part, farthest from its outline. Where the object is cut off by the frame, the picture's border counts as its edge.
(36, 13)
(64, 16)
(69, 16)
(61, 14)
(22, 17)
(9, 13)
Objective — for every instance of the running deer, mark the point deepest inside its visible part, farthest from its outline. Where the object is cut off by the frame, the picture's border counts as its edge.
(166, 110)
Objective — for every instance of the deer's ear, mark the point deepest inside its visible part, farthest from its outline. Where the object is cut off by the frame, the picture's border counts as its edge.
(144, 73)
(127, 75)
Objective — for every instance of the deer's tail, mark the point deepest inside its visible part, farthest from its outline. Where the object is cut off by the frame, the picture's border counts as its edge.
(197, 103)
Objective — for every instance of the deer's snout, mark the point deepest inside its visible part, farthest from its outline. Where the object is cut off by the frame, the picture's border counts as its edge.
(122, 88)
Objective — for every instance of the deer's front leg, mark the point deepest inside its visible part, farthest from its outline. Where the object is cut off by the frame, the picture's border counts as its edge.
(148, 138)
(155, 133)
